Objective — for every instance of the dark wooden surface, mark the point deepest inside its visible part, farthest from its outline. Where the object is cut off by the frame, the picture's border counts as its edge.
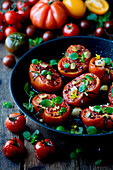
(61, 160)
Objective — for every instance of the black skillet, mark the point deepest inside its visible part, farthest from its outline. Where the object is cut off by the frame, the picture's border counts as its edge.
(45, 52)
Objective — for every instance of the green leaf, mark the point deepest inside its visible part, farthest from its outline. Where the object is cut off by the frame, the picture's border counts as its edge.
(66, 65)
(92, 17)
(98, 162)
(7, 104)
(35, 134)
(27, 135)
(38, 40)
(45, 103)
(80, 130)
(107, 14)
(49, 73)
(82, 88)
(73, 155)
(63, 110)
(89, 78)
(73, 56)
(97, 108)
(107, 61)
(91, 130)
(34, 61)
(26, 87)
(112, 90)
(30, 42)
(60, 128)
(44, 72)
(58, 100)
(109, 110)
(53, 62)
(28, 106)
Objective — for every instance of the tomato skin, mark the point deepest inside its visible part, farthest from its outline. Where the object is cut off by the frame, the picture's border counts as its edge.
(1, 18)
(18, 26)
(48, 15)
(24, 13)
(21, 5)
(97, 121)
(80, 100)
(10, 150)
(9, 30)
(11, 17)
(41, 83)
(17, 124)
(71, 30)
(109, 95)
(50, 115)
(30, 30)
(44, 148)
(32, 2)
(6, 4)
(9, 61)
(100, 71)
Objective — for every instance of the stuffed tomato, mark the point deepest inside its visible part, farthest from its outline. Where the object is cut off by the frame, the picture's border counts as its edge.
(43, 77)
(110, 94)
(82, 89)
(75, 62)
(51, 108)
(102, 67)
(99, 116)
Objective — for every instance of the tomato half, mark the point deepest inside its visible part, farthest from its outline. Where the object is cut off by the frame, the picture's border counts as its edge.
(102, 67)
(82, 89)
(76, 62)
(13, 147)
(52, 108)
(110, 94)
(99, 116)
(44, 78)
(44, 148)
(47, 14)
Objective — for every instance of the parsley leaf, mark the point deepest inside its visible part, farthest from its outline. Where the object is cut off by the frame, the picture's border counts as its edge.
(82, 88)
(7, 104)
(45, 103)
(91, 130)
(73, 56)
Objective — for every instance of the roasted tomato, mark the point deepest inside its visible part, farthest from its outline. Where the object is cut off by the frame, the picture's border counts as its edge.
(15, 122)
(44, 148)
(110, 94)
(102, 67)
(43, 77)
(13, 147)
(53, 109)
(82, 89)
(99, 116)
(76, 62)
(47, 14)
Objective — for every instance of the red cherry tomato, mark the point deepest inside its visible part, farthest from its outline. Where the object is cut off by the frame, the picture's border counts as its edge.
(30, 30)
(76, 62)
(18, 26)
(110, 94)
(15, 122)
(25, 12)
(6, 4)
(48, 35)
(71, 30)
(54, 113)
(32, 2)
(102, 68)
(1, 18)
(99, 116)
(13, 147)
(9, 30)
(44, 148)
(1, 33)
(9, 61)
(44, 78)
(82, 89)
(99, 32)
(21, 5)
(11, 17)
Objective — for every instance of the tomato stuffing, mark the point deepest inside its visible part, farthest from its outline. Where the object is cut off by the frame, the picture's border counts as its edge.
(43, 77)
(75, 62)
(82, 89)
(52, 108)
(99, 116)
(110, 94)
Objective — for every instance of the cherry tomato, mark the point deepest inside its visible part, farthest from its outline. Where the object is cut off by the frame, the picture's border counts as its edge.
(15, 122)
(1, 18)
(18, 26)
(9, 30)
(110, 94)
(71, 30)
(6, 4)
(11, 17)
(76, 62)
(99, 116)
(21, 5)
(44, 78)
(1, 33)
(99, 32)
(109, 26)
(13, 147)
(44, 148)
(47, 35)
(56, 109)
(84, 24)
(25, 12)
(32, 2)
(102, 67)
(30, 30)
(9, 61)
(82, 89)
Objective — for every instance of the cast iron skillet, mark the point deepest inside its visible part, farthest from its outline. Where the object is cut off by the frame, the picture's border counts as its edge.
(45, 52)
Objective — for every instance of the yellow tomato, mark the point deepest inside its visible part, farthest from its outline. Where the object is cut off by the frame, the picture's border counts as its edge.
(98, 7)
(76, 8)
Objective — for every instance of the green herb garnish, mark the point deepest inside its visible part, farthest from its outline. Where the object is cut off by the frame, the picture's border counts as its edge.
(62, 110)
(98, 162)
(32, 137)
(53, 62)
(73, 56)
(91, 130)
(109, 110)
(7, 104)
(66, 65)
(44, 72)
(107, 61)
(45, 103)
(97, 108)
(82, 88)
(112, 92)
(34, 61)
(89, 78)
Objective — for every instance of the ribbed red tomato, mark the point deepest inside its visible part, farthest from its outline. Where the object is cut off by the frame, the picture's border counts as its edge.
(48, 14)
(110, 94)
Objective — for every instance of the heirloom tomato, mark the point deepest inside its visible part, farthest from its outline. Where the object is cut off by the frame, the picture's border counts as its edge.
(110, 94)
(48, 14)
(52, 108)
(99, 116)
